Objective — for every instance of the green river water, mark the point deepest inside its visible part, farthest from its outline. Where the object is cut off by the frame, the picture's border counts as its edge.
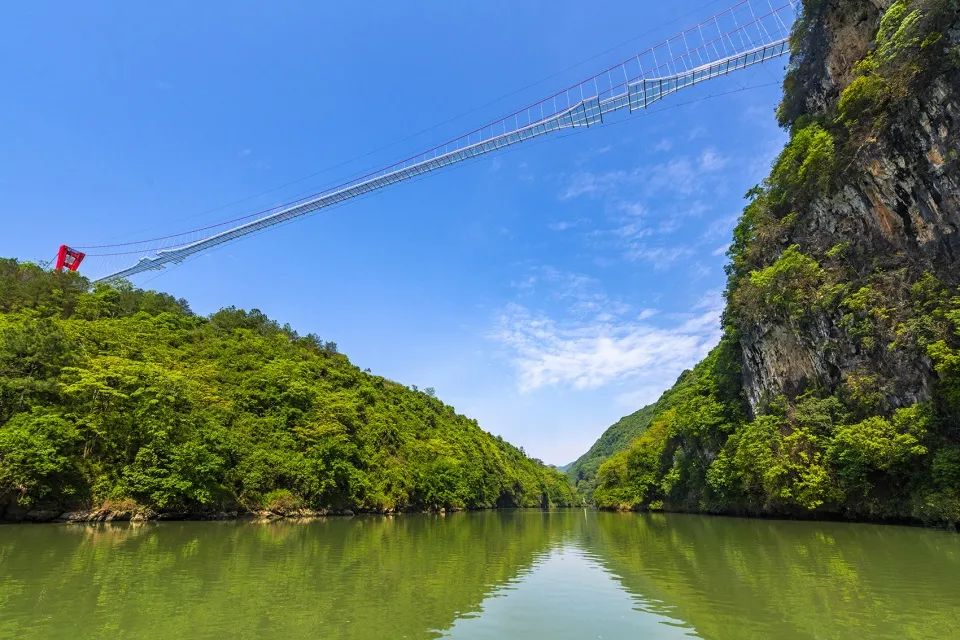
(514, 574)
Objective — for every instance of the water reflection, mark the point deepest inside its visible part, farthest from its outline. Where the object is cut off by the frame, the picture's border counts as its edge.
(359, 578)
(738, 578)
(567, 594)
(568, 574)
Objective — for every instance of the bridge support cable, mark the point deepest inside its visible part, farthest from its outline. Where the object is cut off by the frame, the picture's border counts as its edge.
(747, 35)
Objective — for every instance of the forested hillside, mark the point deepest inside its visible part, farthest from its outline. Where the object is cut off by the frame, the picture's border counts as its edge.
(123, 399)
(835, 390)
(583, 471)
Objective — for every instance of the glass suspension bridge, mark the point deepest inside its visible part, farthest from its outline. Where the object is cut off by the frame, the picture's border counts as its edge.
(746, 34)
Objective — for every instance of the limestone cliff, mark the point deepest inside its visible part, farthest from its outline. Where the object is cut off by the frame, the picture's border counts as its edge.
(896, 203)
(836, 387)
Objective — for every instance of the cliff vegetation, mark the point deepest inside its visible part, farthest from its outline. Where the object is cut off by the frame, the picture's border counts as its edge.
(836, 387)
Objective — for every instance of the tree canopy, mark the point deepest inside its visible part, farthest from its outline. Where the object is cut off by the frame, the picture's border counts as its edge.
(112, 394)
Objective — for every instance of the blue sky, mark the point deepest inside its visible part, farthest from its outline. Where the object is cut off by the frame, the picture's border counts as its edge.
(545, 291)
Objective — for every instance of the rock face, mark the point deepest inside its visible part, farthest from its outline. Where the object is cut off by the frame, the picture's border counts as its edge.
(898, 208)
(835, 389)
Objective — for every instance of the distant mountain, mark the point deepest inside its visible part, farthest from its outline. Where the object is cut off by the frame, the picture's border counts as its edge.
(583, 471)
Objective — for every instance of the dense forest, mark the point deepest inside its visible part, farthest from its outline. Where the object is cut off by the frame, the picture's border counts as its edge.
(583, 471)
(835, 390)
(123, 400)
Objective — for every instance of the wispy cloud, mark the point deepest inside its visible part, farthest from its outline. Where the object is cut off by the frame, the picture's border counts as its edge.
(605, 349)
(645, 209)
(564, 225)
(580, 295)
(660, 257)
(698, 270)
(586, 183)
(665, 144)
(674, 177)
(711, 160)
(594, 152)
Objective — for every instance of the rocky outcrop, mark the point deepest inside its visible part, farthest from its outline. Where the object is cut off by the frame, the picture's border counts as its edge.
(826, 44)
(137, 513)
(842, 324)
(897, 208)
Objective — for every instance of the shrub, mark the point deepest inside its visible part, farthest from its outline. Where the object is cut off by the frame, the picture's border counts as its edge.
(898, 31)
(789, 286)
(804, 169)
(281, 501)
(38, 458)
(629, 479)
(946, 467)
(862, 100)
(877, 444)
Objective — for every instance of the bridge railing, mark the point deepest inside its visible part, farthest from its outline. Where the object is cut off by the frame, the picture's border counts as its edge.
(748, 33)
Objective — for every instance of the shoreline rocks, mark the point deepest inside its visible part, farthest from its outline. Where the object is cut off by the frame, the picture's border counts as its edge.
(135, 513)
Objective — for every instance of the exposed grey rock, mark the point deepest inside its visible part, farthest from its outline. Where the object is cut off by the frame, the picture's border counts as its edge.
(41, 515)
(899, 209)
(73, 516)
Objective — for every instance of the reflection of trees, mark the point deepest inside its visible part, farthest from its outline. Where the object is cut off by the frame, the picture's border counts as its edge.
(407, 576)
(413, 575)
(738, 578)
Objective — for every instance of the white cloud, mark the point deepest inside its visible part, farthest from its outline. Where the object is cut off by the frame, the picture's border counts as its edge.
(644, 210)
(677, 176)
(665, 144)
(632, 231)
(642, 395)
(581, 294)
(564, 225)
(603, 350)
(710, 160)
(597, 340)
(698, 270)
(587, 183)
(710, 300)
(668, 225)
(721, 227)
(659, 257)
(599, 151)
(632, 208)
(592, 153)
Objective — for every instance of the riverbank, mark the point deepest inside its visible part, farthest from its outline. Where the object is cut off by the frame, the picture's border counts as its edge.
(142, 514)
(796, 516)
(146, 515)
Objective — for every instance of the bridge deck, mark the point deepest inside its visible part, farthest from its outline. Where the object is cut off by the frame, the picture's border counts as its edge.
(565, 113)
